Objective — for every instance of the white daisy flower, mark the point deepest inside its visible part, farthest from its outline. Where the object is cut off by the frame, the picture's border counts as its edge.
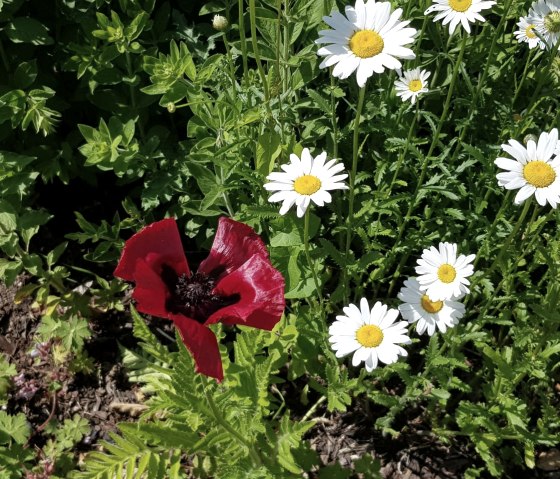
(455, 11)
(527, 34)
(535, 169)
(428, 315)
(442, 275)
(305, 180)
(367, 40)
(411, 84)
(372, 336)
(545, 14)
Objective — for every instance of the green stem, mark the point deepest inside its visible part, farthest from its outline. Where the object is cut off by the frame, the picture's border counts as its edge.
(252, 16)
(220, 419)
(426, 161)
(355, 147)
(505, 246)
(230, 60)
(405, 150)
(4, 57)
(313, 408)
(480, 84)
(523, 76)
(130, 72)
(242, 40)
(308, 257)
(533, 103)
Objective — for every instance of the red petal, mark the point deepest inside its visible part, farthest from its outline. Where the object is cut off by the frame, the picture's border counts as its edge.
(158, 243)
(261, 295)
(234, 244)
(202, 344)
(150, 292)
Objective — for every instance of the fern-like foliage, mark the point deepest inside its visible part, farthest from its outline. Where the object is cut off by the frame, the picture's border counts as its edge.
(194, 426)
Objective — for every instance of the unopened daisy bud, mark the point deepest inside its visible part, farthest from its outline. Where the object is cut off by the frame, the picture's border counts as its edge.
(220, 23)
(530, 137)
(171, 107)
(552, 21)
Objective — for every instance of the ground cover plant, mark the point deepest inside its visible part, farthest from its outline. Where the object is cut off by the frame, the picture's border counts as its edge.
(292, 238)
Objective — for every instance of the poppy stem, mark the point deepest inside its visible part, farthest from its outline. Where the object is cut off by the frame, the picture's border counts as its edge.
(308, 257)
(221, 420)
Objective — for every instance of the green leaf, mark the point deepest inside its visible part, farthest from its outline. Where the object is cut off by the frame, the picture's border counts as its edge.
(14, 427)
(28, 30)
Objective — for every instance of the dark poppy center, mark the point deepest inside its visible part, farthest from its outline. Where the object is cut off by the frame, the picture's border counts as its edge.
(193, 296)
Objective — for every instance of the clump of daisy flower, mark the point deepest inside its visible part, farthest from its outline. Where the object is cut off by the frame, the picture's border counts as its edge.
(459, 11)
(372, 335)
(526, 34)
(411, 84)
(368, 39)
(442, 274)
(428, 315)
(305, 180)
(545, 15)
(535, 170)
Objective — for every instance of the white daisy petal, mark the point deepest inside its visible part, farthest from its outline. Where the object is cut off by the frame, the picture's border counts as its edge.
(305, 180)
(430, 315)
(371, 334)
(442, 277)
(533, 170)
(458, 12)
(366, 40)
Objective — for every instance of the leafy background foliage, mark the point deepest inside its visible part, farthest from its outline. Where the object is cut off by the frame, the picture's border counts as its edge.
(116, 114)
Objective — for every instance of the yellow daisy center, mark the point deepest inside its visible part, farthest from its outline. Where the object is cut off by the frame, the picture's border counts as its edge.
(307, 185)
(446, 273)
(460, 5)
(415, 85)
(369, 336)
(552, 21)
(529, 31)
(366, 43)
(430, 306)
(539, 174)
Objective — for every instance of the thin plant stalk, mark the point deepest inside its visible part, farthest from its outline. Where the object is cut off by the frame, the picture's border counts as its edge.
(426, 161)
(308, 257)
(481, 83)
(352, 194)
(242, 40)
(252, 16)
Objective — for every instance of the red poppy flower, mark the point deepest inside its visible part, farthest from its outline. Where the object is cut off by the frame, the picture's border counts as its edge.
(235, 284)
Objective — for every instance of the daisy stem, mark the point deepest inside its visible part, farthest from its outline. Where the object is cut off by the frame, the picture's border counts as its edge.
(523, 77)
(252, 16)
(308, 257)
(355, 148)
(405, 150)
(544, 75)
(490, 233)
(474, 101)
(221, 420)
(229, 60)
(426, 161)
(242, 40)
(513, 234)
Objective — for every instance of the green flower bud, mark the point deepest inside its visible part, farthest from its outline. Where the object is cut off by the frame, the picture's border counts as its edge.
(220, 23)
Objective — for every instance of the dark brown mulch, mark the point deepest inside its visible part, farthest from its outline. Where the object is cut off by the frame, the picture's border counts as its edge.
(92, 396)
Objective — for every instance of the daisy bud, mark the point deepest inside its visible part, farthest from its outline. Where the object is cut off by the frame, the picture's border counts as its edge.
(220, 23)
(171, 107)
(530, 137)
(552, 21)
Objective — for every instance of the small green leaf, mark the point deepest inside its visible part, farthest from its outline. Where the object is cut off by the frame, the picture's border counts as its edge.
(28, 30)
